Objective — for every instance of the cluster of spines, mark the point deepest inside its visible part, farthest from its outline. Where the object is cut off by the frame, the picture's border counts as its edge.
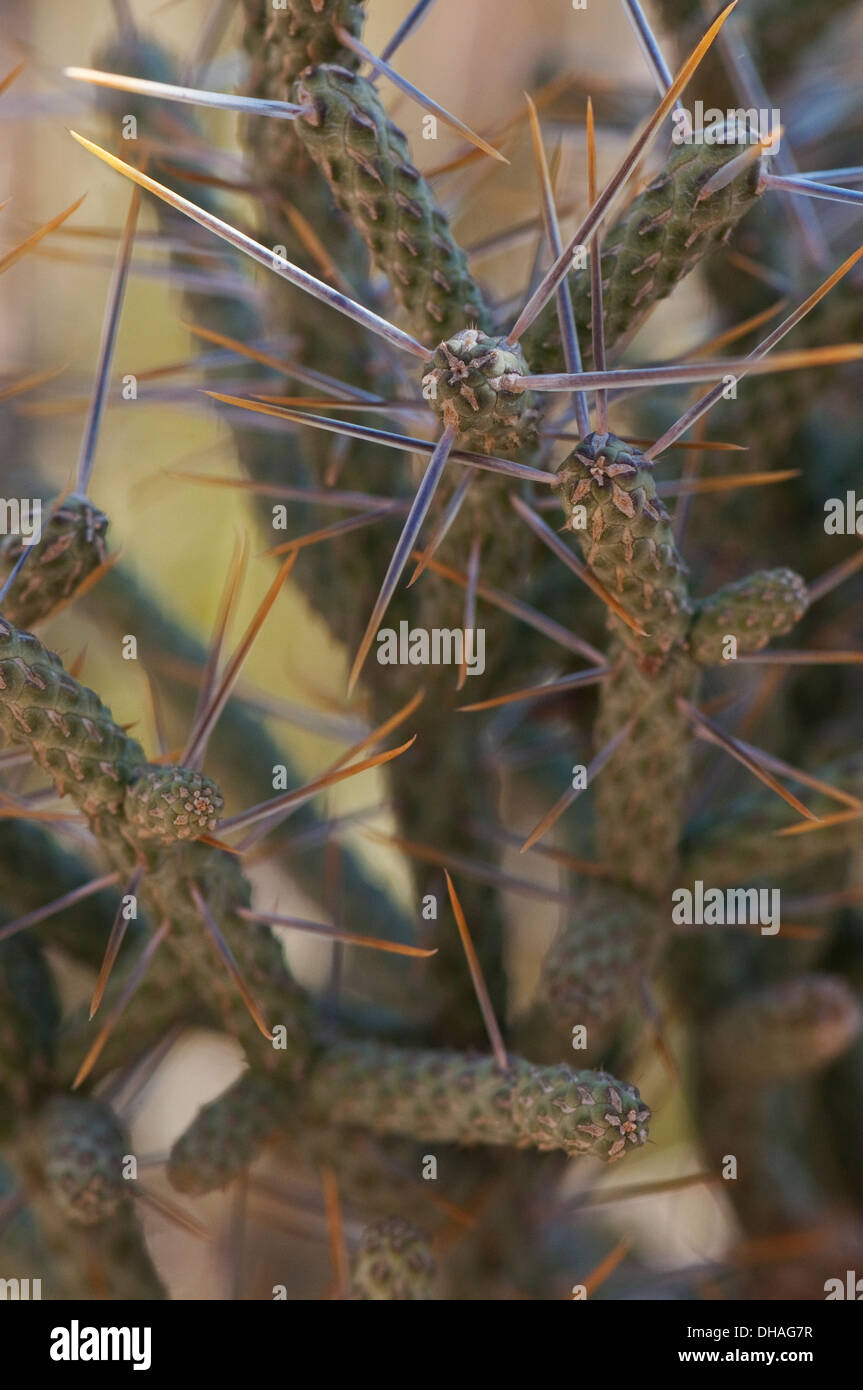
(742, 844)
(472, 383)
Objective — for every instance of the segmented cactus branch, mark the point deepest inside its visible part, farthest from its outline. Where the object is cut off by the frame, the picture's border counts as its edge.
(786, 1031)
(69, 549)
(73, 737)
(68, 730)
(665, 232)
(592, 970)
(393, 1264)
(227, 1135)
(66, 1154)
(81, 1148)
(752, 611)
(366, 161)
(609, 496)
(302, 32)
(289, 159)
(627, 540)
(456, 1098)
(471, 382)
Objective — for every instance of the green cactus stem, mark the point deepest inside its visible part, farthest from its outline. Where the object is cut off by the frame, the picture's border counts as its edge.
(753, 610)
(81, 1147)
(786, 1030)
(457, 1098)
(627, 540)
(609, 498)
(227, 1135)
(640, 809)
(69, 549)
(74, 738)
(173, 803)
(591, 971)
(67, 728)
(302, 32)
(661, 237)
(394, 1263)
(471, 382)
(366, 161)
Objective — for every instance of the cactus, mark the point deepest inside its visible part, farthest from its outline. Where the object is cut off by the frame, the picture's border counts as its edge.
(471, 383)
(393, 1263)
(628, 542)
(73, 737)
(228, 1134)
(664, 234)
(69, 549)
(753, 611)
(459, 1099)
(793, 1028)
(590, 973)
(365, 160)
(447, 1090)
(82, 1150)
(64, 1154)
(170, 804)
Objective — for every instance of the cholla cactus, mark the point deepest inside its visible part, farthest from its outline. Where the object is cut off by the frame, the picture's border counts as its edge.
(169, 804)
(633, 587)
(81, 1146)
(393, 1263)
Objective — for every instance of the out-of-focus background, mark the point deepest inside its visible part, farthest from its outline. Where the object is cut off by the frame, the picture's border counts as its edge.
(476, 59)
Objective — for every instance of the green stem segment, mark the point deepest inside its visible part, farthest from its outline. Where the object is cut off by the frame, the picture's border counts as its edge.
(452, 1097)
(662, 236)
(609, 498)
(366, 161)
(70, 547)
(72, 735)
